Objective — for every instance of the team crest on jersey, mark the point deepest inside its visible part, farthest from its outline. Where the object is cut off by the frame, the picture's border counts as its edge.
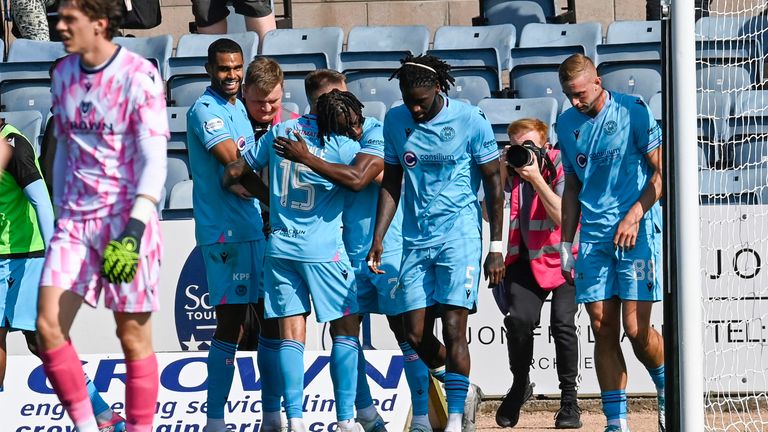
(85, 107)
(410, 159)
(610, 127)
(447, 134)
(581, 160)
(213, 125)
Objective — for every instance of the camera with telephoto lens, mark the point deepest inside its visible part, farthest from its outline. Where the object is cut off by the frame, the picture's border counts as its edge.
(527, 153)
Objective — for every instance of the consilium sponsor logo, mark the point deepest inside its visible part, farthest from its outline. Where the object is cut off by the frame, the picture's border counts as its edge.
(241, 143)
(410, 159)
(581, 160)
(437, 158)
(195, 317)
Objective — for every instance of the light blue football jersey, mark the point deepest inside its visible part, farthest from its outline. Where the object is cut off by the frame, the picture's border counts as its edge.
(304, 208)
(440, 160)
(608, 155)
(220, 216)
(360, 207)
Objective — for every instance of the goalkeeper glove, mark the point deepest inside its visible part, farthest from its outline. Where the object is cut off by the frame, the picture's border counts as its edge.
(121, 257)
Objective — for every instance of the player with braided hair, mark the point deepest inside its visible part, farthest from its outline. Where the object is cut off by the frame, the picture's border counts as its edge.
(338, 108)
(443, 148)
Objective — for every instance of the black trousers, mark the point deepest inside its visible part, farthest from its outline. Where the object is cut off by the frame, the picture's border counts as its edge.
(526, 299)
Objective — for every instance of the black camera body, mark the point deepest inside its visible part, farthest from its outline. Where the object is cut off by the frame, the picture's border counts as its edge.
(526, 154)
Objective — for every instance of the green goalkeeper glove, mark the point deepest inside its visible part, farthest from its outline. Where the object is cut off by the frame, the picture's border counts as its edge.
(121, 257)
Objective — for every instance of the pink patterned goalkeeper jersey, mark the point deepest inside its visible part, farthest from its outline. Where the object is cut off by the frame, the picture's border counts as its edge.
(101, 116)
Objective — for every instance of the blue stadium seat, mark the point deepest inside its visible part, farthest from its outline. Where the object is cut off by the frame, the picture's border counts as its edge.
(375, 109)
(28, 50)
(588, 34)
(730, 27)
(726, 79)
(235, 22)
(535, 81)
(181, 195)
(177, 124)
(24, 95)
(628, 52)
(326, 40)
(389, 38)
(28, 122)
(156, 48)
(622, 32)
(178, 171)
(374, 85)
(548, 7)
(632, 77)
(24, 70)
(747, 133)
(743, 186)
(502, 112)
(712, 114)
(196, 45)
(751, 103)
(376, 60)
(293, 90)
(516, 13)
(656, 106)
(300, 62)
(543, 55)
(476, 71)
(187, 80)
(746, 53)
(501, 37)
(702, 158)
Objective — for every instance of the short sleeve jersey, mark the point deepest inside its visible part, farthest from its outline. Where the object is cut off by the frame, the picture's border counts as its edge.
(304, 208)
(100, 116)
(360, 207)
(220, 215)
(608, 155)
(440, 160)
(19, 232)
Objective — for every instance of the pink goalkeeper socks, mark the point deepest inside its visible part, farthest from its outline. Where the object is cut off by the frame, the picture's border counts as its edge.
(65, 372)
(141, 393)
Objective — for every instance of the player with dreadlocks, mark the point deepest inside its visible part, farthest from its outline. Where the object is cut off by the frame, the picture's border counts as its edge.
(444, 148)
(340, 113)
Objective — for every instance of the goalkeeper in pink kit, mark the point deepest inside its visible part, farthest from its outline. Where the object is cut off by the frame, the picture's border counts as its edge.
(110, 166)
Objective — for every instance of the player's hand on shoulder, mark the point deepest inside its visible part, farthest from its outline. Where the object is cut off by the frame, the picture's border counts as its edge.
(295, 150)
(493, 267)
(121, 256)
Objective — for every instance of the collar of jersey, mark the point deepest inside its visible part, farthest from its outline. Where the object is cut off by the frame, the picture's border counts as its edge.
(98, 69)
(218, 97)
(608, 102)
(442, 111)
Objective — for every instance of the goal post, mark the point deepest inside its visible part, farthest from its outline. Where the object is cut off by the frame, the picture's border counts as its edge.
(683, 301)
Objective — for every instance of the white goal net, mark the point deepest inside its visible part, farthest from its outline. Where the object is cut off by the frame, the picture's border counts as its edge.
(733, 172)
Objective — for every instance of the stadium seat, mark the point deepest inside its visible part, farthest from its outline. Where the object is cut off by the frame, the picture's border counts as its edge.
(623, 32)
(156, 48)
(181, 196)
(196, 45)
(326, 40)
(743, 186)
(389, 38)
(373, 85)
(178, 171)
(751, 103)
(729, 27)
(371, 60)
(23, 95)
(588, 34)
(24, 70)
(501, 37)
(745, 53)
(552, 56)
(28, 123)
(726, 79)
(535, 81)
(702, 158)
(177, 124)
(502, 112)
(476, 71)
(236, 22)
(713, 111)
(632, 77)
(656, 106)
(291, 107)
(548, 7)
(747, 132)
(516, 13)
(300, 62)
(375, 109)
(28, 50)
(628, 52)
(187, 80)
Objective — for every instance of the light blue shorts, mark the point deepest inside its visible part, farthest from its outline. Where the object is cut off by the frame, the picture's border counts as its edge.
(289, 283)
(234, 271)
(603, 272)
(19, 282)
(379, 293)
(446, 274)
